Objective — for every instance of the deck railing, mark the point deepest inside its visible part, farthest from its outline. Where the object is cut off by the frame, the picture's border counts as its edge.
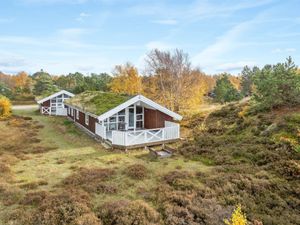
(101, 130)
(171, 131)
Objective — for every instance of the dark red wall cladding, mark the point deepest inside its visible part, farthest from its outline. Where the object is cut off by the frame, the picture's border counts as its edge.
(92, 121)
(155, 119)
(46, 104)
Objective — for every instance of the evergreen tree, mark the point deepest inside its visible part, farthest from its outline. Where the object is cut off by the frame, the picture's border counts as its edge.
(43, 84)
(224, 90)
(247, 80)
(277, 85)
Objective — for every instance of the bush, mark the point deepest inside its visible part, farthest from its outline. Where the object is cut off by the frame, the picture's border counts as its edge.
(136, 171)
(92, 180)
(5, 107)
(127, 213)
(68, 207)
(237, 218)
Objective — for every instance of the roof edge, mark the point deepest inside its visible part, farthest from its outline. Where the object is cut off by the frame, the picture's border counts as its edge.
(54, 95)
(136, 99)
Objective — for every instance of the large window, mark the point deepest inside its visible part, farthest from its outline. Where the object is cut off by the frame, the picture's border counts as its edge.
(130, 118)
(139, 120)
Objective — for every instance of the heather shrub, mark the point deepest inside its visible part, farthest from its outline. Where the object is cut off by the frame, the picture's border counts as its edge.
(34, 198)
(125, 212)
(68, 207)
(136, 171)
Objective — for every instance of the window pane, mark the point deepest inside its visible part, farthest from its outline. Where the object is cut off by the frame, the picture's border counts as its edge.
(139, 109)
(122, 112)
(131, 117)
(121, 118)
(139, 117)
(112, 126)
(112, 119)
(139, 124)
(121, 126)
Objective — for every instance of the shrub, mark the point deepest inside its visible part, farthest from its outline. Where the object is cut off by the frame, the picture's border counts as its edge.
(136, 171)
(5, 107)
(92, 180)
(127, 213)
(237, 218)
(68, 207)
(34, 198)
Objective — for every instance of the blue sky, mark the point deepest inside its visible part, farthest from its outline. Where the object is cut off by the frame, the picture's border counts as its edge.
(63, 36)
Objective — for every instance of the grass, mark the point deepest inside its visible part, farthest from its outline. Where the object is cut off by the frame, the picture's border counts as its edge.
(98, 102)
(67, 149)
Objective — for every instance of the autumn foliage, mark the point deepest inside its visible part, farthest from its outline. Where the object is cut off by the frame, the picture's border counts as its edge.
(237, 217)
(5, 107)
(126, 80)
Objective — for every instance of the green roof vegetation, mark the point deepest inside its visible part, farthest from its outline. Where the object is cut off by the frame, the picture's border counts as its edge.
(97, 102)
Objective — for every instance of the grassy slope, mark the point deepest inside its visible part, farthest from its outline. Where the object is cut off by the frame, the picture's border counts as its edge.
(71, 150)
(255, 160)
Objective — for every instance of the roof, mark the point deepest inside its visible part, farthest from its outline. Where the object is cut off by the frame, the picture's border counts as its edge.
(43, 99)
(106, 104)
(140, 99)
(97, 102)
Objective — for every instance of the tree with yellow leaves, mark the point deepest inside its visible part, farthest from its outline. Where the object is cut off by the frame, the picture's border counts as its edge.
(23, 82)
(237, 217)
(126, 80)
(5, 107)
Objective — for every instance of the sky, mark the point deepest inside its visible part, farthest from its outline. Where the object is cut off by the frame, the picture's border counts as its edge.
(92, 36)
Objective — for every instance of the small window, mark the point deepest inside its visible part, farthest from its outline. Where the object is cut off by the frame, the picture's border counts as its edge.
(77, 114)
(139, 109)
(87, 119)
(72, 113)
(112, 119)
(139, 117)
(139, 124)
(112, 126)
(122, 112)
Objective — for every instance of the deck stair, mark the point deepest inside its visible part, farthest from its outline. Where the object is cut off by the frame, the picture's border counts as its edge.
(164, 152)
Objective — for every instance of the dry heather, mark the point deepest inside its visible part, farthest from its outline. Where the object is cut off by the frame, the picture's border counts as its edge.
(136, 171)
(92, 180)
(255, 158)
(125, 212)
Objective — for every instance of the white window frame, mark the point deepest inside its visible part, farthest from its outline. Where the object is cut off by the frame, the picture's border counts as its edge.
(77, 114)
(87, 119)
(72, 112)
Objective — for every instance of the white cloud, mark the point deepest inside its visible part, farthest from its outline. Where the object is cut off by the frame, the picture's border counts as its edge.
(235, 66)
(82, 16)
(166, 22)
(285, 50)
(72, 32)
(225, 43)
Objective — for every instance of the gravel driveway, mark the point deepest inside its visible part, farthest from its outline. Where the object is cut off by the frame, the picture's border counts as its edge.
(24, 107)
